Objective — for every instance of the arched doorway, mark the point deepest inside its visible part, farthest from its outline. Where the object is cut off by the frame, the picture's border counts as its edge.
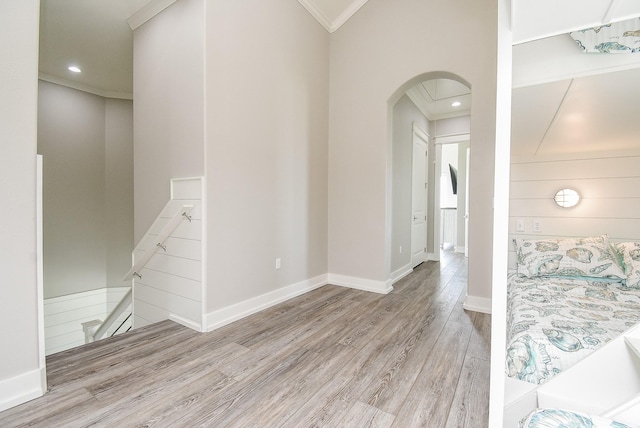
(431, 109)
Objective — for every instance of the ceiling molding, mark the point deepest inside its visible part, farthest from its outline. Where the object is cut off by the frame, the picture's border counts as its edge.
(84, 88)
(317, 14)
(321, 17)
(348, 13)
(147, 12)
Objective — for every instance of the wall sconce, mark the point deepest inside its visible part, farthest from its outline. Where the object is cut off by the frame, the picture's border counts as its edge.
(566, 198)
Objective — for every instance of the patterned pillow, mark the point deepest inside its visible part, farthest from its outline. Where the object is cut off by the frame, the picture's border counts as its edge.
(585, 257)
(630, 254)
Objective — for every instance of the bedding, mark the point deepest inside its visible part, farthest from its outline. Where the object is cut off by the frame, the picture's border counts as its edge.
(553, 322)
(554, 418)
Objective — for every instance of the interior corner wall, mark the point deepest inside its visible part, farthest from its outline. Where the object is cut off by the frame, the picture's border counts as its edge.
(118, 198)
(71, 131)
(20, 374)
(378, 50)
(267, 124)
(169, 88)
(405, 114)
(87, 147)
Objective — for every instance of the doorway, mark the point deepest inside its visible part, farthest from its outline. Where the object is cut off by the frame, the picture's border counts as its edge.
(429, 112)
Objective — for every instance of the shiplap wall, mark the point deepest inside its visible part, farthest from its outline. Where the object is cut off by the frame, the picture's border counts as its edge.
(64, 315)
(608, 184)
(171, 283)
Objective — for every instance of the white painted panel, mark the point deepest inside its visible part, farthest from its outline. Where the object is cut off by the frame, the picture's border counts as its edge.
(595, 208)
(63, 304)
(576, 169)
(176, 266)
(568, 227)
(175, 205)
(626, 187)
(79, 312)
(172, 303)
(187, 230)
(72, 325)
(181, 286)
(185, 248)
(62, 343)
(140, 322)
(186, 188)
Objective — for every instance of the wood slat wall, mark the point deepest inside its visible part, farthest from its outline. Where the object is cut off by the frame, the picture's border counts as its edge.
(608, 184)
(64, 316)
(171, 283)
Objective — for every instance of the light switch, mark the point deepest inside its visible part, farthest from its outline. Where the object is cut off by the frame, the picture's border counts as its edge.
(520, 225)
(537, 225)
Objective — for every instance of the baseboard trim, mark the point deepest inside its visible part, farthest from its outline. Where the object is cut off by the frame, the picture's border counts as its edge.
(401, 273)
(477, 304)
(229, 314)
(380, 287)
(21, 388)
(193, 325)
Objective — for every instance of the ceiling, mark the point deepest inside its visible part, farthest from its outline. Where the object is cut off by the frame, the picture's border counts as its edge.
(582, 114)
(586, 114)
(434, 98)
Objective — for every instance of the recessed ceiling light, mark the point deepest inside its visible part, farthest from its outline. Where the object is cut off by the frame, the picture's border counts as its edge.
(456, 104)
(74, 69)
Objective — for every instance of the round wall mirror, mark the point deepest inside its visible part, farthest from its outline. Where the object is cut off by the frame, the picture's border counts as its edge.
(566, 198)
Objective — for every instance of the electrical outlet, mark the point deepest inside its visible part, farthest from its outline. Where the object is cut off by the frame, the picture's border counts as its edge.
(278, 264)
(400, 249)
(520, 225)
(537, 225)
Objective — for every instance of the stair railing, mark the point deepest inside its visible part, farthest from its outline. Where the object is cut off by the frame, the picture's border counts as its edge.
(94, 330)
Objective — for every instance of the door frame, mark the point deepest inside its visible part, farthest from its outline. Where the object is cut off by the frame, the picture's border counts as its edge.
(423, 135)
(439, 142)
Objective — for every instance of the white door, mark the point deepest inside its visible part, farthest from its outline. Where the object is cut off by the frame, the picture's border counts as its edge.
(466, 209)
(419, 202)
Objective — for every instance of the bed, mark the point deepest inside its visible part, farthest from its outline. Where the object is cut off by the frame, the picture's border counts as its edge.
(567, 298)
(554, 418)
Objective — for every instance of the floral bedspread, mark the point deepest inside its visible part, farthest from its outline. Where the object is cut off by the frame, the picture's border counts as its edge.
(554, 418)
(555, 322)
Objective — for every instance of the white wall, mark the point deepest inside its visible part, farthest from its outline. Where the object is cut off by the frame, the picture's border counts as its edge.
(20, 372)
(169, 90)
(375, 54)
(87, 147)
(266, 151)
(118, 188)
(405, 114)
(609, 186)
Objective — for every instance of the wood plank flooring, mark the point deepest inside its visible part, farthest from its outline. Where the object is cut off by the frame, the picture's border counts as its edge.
(333, 357)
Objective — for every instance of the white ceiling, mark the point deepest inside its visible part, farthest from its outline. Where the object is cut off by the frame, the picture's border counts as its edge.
(434, 98)
(586, 114)
(94, 35)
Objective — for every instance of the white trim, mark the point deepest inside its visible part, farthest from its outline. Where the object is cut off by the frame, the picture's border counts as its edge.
(459, 249)
(147, 12)
(193, 325)
(348, 13)
(229, 314)
(401, 273)
(329, 25)
(477, 304)
(21, 388)
(317, 14)
(85, 88)
(453, 138)
(42, 363)
(381, 287)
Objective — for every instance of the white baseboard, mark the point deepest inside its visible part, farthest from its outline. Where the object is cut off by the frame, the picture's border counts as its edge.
(229, 314)
(459, 249)
(381, 287)
(186, 322)
(401, 273)
(433, 257)
(477, 304)
(21, 388)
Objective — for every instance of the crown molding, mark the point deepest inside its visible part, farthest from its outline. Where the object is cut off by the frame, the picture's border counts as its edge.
(329, 25)
(85, 88)
(147, 12)
(348, 13)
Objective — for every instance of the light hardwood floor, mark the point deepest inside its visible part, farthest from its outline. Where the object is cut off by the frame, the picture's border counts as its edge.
(333, 357)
